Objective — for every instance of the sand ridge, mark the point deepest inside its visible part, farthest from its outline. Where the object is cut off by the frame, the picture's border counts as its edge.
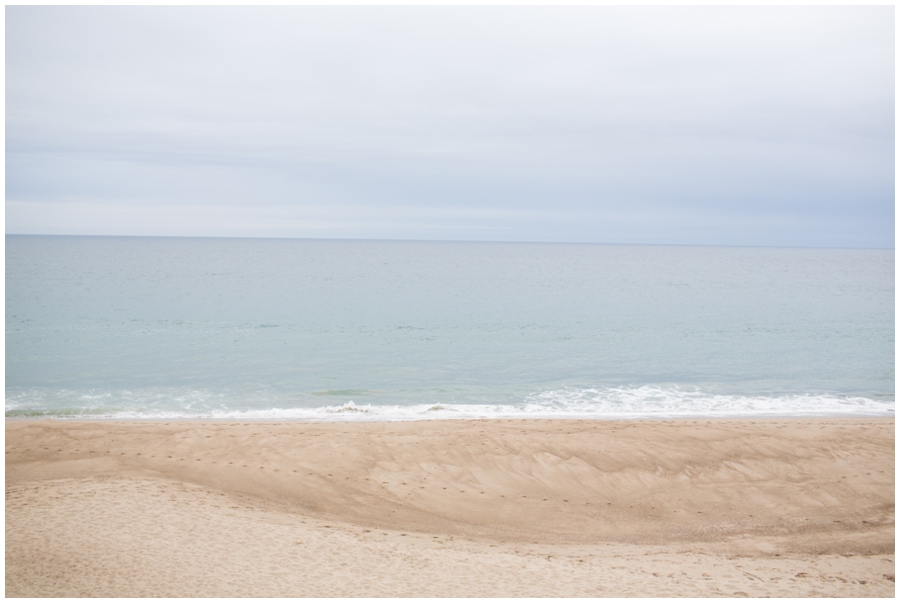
(452, 508)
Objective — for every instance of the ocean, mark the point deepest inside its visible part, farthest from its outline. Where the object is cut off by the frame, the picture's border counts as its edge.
(170, 328)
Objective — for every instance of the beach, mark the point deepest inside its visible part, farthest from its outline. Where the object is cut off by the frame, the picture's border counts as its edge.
(755, 507)
(320, 302)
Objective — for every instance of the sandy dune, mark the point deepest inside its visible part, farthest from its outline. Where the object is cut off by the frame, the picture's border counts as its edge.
(794, 507)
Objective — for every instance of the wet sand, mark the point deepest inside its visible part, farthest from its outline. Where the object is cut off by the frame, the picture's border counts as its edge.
(792, 507)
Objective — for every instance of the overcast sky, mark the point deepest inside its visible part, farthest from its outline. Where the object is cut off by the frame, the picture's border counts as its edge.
(704, 125)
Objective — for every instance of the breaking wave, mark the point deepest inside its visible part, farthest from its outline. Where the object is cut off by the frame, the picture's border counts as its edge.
(644, 402)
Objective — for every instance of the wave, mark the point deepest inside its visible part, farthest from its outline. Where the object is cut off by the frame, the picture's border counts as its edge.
(644, 402)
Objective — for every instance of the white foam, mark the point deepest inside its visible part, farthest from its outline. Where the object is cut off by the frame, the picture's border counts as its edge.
(645, 402)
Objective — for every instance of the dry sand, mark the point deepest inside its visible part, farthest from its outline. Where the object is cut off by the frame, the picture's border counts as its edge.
(794, 507)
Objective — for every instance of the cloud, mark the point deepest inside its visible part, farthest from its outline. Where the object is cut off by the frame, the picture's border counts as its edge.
(747, 125)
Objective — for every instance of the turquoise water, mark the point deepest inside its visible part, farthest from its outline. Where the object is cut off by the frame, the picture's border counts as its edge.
(132, 327)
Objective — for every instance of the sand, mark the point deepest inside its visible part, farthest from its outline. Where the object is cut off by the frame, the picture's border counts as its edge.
(792, 507)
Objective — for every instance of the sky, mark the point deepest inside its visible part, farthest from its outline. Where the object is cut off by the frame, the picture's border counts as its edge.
(769, 126)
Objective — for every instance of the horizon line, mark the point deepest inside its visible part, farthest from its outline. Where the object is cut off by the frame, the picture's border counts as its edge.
(389, 240)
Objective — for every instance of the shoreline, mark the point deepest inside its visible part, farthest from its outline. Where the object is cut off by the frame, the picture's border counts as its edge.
(765, 417)
(811, 496)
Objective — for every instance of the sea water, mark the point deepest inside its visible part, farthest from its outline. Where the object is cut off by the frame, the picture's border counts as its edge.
(133, 327)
